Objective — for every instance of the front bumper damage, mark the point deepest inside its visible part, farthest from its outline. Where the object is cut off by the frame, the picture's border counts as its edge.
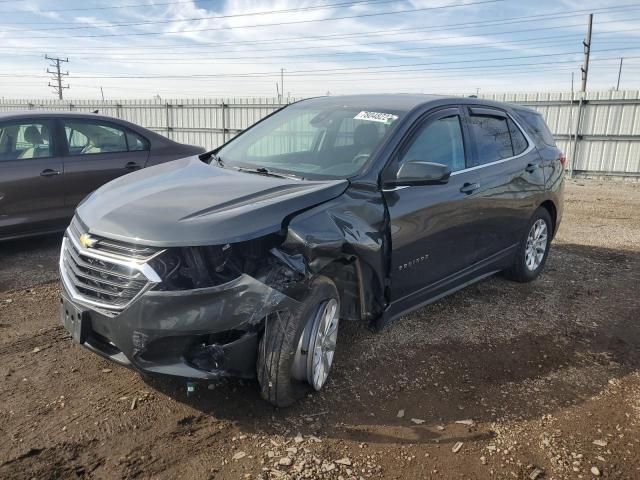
(205, 333)
(208, 332)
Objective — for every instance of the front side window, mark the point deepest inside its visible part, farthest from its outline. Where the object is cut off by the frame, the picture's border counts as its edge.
(492, 137)
(439, 141)
(87, 138)
(312, 141)
(24, 140)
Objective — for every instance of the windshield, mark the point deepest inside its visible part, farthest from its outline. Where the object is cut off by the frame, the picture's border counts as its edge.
(314, 142)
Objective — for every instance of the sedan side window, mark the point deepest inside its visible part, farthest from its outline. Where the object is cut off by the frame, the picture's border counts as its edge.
(88, 138)
(135, 142)
(440, 141)
(24, 140)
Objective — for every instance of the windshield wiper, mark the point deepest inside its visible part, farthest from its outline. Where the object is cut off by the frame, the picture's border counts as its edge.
(210, 157)
(267, 173)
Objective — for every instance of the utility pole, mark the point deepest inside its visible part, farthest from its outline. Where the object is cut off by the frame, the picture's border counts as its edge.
(102, 93)
(583, 92)
(587, 52)
(619, 74)
(282, 83)
(57, 74)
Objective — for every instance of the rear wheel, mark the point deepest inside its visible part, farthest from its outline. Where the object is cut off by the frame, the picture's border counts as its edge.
(296, 350)
(533, 249)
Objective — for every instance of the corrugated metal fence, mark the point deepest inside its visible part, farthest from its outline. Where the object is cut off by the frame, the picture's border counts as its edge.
(607, 140)
(608, 135)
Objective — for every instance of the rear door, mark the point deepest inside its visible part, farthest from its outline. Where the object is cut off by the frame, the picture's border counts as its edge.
(508, 178)
(98, 151)
(31, 184)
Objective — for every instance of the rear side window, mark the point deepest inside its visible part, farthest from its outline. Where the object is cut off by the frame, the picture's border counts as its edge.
(517, 138)
(93, 137)
(538, 125)
(136, 142)
(492, 136)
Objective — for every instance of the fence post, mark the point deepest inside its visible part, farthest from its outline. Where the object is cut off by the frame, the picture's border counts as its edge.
(224, 122)
(576, 137)
(167, 115)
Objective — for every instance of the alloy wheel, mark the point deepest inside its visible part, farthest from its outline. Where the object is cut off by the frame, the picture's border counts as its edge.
(322, 344)
(536, 246)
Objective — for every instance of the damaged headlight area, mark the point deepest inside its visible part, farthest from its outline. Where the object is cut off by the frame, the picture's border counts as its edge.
(187, 268)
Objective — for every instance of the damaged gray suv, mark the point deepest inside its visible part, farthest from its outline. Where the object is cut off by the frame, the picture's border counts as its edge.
(244, 260)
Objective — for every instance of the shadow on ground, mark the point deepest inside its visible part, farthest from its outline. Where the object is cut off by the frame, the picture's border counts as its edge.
(502, 342)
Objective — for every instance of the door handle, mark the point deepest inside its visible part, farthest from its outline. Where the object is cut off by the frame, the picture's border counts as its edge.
(531, 167)
(470, 187)
(132, 166)
(48, 172)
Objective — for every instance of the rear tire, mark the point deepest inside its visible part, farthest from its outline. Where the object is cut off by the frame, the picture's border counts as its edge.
(281, 342)
(533, 250)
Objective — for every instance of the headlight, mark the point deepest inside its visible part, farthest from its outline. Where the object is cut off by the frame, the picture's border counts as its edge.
(186, 268)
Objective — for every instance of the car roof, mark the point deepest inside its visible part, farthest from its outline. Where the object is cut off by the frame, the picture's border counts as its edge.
(402, 102)
(54, 113)
(20, 114)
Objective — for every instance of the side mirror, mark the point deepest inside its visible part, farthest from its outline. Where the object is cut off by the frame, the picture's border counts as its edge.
(417, 172)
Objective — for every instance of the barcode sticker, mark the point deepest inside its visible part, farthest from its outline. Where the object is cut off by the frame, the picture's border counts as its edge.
(387, 118)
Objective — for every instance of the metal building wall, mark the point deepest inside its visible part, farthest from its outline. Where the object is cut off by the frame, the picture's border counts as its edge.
(608, 141)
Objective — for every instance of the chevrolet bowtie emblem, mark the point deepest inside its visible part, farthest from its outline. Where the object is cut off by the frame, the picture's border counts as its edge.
(86, 241)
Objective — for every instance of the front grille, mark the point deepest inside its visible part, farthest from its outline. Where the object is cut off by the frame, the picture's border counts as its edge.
(108, 275)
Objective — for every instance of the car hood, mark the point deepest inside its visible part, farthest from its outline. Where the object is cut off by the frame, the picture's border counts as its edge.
(189, 203)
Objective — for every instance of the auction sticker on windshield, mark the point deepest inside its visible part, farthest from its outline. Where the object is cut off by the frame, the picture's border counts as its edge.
(387, 118)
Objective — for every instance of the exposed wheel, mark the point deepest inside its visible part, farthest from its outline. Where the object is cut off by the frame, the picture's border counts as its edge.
(297, 348)
(533, 249)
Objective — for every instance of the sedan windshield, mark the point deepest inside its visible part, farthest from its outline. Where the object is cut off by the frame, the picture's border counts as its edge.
(314, 142)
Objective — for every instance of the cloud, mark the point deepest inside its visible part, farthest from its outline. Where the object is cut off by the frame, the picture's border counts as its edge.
(445, 50)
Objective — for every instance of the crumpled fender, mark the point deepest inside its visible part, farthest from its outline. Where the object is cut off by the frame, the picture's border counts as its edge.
(352, 229)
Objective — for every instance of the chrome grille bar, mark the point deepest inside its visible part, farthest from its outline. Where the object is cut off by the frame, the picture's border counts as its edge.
(110, 276)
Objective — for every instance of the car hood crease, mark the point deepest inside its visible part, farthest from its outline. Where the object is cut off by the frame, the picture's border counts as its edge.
(190, 203)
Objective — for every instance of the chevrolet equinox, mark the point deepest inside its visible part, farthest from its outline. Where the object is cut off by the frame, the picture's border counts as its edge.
(243, 261)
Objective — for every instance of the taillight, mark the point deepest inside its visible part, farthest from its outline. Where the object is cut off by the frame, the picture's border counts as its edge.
(563, 160)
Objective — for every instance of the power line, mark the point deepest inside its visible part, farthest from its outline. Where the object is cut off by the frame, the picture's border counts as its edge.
(212, 17)
(413, 10)
(347, 70)
(478, 24)
(58, 87)
(179, 2)
(452, 49)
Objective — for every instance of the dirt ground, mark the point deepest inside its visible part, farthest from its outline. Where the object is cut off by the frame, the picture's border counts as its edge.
(501, 380)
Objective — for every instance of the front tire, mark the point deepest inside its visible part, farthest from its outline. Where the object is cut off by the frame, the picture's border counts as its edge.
(290, 360)
(533, 249)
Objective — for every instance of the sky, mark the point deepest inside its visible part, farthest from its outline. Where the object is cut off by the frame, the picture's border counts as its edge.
(240, 48)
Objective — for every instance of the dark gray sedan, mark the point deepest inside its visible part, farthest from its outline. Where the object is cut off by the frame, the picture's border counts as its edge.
(49, 161)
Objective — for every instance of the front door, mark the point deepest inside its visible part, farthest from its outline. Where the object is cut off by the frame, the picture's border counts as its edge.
(432, 226)
(31, 186)
(97, 152)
